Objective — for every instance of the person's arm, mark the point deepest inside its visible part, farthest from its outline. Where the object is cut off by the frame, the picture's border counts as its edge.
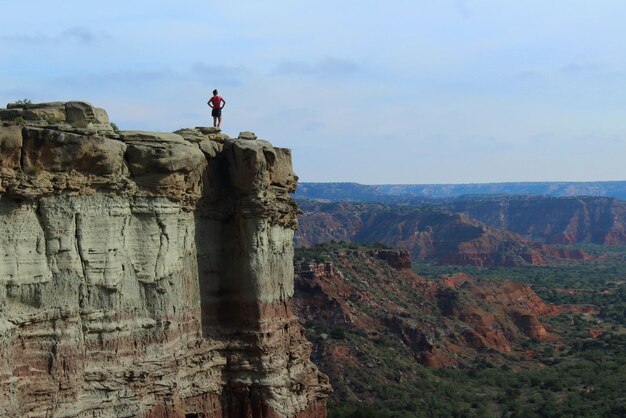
(210, 104)
(223, 104)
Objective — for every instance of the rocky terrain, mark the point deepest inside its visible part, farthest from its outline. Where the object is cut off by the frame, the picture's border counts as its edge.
(565, 220)
(146, 274)
(463, 341)
(365, 309)
(428, 232)
(466, 313)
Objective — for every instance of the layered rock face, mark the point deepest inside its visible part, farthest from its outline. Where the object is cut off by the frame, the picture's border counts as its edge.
(428, 233)
(146, 274)
(565, 220)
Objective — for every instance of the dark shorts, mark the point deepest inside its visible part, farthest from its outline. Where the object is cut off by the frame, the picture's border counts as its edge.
(216, 113)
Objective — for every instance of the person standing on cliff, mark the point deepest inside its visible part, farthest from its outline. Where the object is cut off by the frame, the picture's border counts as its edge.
(216, 103)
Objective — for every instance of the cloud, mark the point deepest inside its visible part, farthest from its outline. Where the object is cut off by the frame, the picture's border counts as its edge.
(527, 75)
(576, 68)
(313, 126)
(134, 78)
(80, 35)
(120, 78)
(463, 7)
(219, 74)
(328, 67)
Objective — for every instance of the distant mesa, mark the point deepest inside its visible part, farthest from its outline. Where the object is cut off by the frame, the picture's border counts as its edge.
(389, 193)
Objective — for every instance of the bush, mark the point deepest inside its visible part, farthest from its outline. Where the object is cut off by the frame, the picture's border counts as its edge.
(22, 102)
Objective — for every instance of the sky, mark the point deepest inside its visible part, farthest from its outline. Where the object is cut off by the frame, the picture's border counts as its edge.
(375, 92)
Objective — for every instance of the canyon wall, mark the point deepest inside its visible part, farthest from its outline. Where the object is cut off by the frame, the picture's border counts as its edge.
(146, 274)
(429, 233)
(565, 220)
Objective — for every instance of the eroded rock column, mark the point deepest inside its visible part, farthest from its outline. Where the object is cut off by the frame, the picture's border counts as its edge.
(146, 274)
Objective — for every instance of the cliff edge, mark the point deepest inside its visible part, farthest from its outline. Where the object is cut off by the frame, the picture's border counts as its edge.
(146, 274)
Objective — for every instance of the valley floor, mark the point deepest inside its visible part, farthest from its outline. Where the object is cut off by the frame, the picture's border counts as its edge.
(388, 325)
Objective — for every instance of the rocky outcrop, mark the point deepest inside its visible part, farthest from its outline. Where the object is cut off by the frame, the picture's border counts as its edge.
(428, 233)
(552, 220)
(146, 274)
(359, 289)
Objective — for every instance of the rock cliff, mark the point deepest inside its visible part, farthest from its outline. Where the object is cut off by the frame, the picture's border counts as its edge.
(429, 233)
(146, 274)
(565, 220)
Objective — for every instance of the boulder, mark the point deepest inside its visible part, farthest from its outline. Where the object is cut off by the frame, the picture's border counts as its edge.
(144, 136)
(249, 164)
(82, 114)
(49, 113)
(212, 133)
(282, 174)
(10, 146)
(208, 130)
(210, 148)
(57, 151)
(10, 114)
(191, 135)
(250, 136)
(155, 157)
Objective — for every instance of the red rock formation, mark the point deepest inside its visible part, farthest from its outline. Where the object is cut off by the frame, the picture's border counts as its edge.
(553, 220)
(322, 293)
(399, 260)
(580, 309)
(427, 233)
(513, 296)
(362, 291)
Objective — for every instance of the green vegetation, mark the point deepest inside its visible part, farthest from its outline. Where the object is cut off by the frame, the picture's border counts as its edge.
(583, 381)
(22, 102)
(575, 374)
(599, 282)
(115, 127)
(319, 253)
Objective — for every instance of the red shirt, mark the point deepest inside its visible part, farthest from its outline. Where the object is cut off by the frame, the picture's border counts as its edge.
(216, 101)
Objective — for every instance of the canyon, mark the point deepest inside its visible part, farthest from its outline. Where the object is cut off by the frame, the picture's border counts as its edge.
(563, 220)
(445, 323)
(146, 273)
(430, 233)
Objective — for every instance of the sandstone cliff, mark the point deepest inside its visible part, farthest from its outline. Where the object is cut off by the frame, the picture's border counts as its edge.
(146, 274)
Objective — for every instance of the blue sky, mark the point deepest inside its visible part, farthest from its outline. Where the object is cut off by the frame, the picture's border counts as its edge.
(448, 91)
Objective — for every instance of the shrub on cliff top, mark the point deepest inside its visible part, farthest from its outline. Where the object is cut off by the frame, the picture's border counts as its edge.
(22, 102)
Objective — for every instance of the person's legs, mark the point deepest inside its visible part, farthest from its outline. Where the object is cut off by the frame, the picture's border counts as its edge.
(214, 121)
(219, 123)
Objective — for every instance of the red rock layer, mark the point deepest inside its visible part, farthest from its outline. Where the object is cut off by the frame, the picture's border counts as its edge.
(361, 291)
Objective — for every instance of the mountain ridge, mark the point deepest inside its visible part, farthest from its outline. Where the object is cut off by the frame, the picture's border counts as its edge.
(403, 192)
